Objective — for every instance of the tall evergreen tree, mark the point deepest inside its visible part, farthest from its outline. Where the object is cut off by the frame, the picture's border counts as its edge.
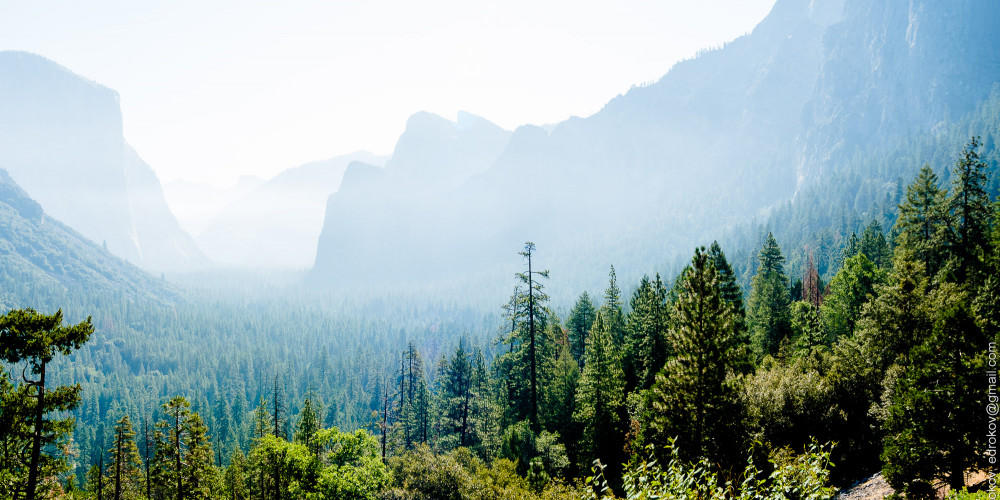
(309, 423)
(922, 220)
(528, 343)
(125, 470)
(850, 289)
(695, 396)
(646, 326)
(183, 459)
(581, 318)
(970, 208)
(614, 316)
(35, 339)
(456, 399)
(770, 319)
(935, 423)
(600, 396)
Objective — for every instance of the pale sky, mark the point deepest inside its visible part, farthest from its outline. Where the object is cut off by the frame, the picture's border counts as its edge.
(211, 90)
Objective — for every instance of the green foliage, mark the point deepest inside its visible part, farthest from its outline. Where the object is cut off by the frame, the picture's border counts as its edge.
(934, 425)
(803, 476)
(969, 205)
(458, 474)
(770, 322)
(600, 397)
(34, 339)
(646, 349)
(854, 285)
(124, 473)
(923, 220)
(309, 423)
(695, 397)
(581, 318)
(347, 466)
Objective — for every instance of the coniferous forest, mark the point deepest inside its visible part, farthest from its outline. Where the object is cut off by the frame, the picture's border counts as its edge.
(701, 384)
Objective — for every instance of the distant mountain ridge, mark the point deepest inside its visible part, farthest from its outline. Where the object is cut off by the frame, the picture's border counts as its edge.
(61, 140)
(277, 223)
(668, 166)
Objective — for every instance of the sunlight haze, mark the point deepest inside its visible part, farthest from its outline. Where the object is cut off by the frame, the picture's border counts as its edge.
(214, 90)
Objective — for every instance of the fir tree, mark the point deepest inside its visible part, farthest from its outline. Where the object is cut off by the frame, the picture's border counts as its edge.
(694, 397)
(600, 396)
(580, 320)
(614, 317)
(309, 423)
(769, 316)
(646, 324)
(935, 423)
(125, 469)
(922, 221)
(970, 208)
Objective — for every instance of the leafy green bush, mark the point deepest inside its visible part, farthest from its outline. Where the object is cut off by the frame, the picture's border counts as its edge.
(460, 475)
(794, 477)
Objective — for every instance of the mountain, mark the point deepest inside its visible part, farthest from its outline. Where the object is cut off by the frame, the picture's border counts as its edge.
(61, 140)
(714, 143)
(380, 220)
(277, 223)
(42, 258)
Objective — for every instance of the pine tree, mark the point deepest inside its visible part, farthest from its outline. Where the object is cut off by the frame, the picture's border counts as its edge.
(646, 324)
(614, 317)
(456, 399)
(935, 423)
(874, 246)
(770, 319)
(183, 462)
(560, 397)
(125, 469)
(234, 477)
(580, 320)
(850, 289)
(35, 339)
(600, 396)
(694, 397)
(922, 221)
(530, 349)
(970, 209)
(309, 423)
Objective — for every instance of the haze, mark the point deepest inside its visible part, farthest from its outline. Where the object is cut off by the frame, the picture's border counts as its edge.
(212, 91)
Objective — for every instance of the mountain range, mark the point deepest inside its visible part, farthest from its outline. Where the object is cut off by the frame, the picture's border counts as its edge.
(718, 140)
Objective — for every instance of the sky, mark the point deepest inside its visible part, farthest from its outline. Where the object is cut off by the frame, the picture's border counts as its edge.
(212, 90)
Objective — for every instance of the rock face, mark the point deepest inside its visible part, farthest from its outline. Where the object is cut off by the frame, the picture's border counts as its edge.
(61, 140)
(277, 223)
(668, 166)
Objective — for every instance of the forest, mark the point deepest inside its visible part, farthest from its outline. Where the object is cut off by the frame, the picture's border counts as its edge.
(713, 383)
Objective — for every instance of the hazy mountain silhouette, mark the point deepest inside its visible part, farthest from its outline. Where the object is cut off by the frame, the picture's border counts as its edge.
(664, 167)
(277, 223)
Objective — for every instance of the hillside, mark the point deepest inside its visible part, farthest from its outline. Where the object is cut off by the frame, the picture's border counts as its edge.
(43, 262)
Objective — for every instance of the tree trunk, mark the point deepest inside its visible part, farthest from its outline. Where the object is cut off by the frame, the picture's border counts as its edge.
(36, 441)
